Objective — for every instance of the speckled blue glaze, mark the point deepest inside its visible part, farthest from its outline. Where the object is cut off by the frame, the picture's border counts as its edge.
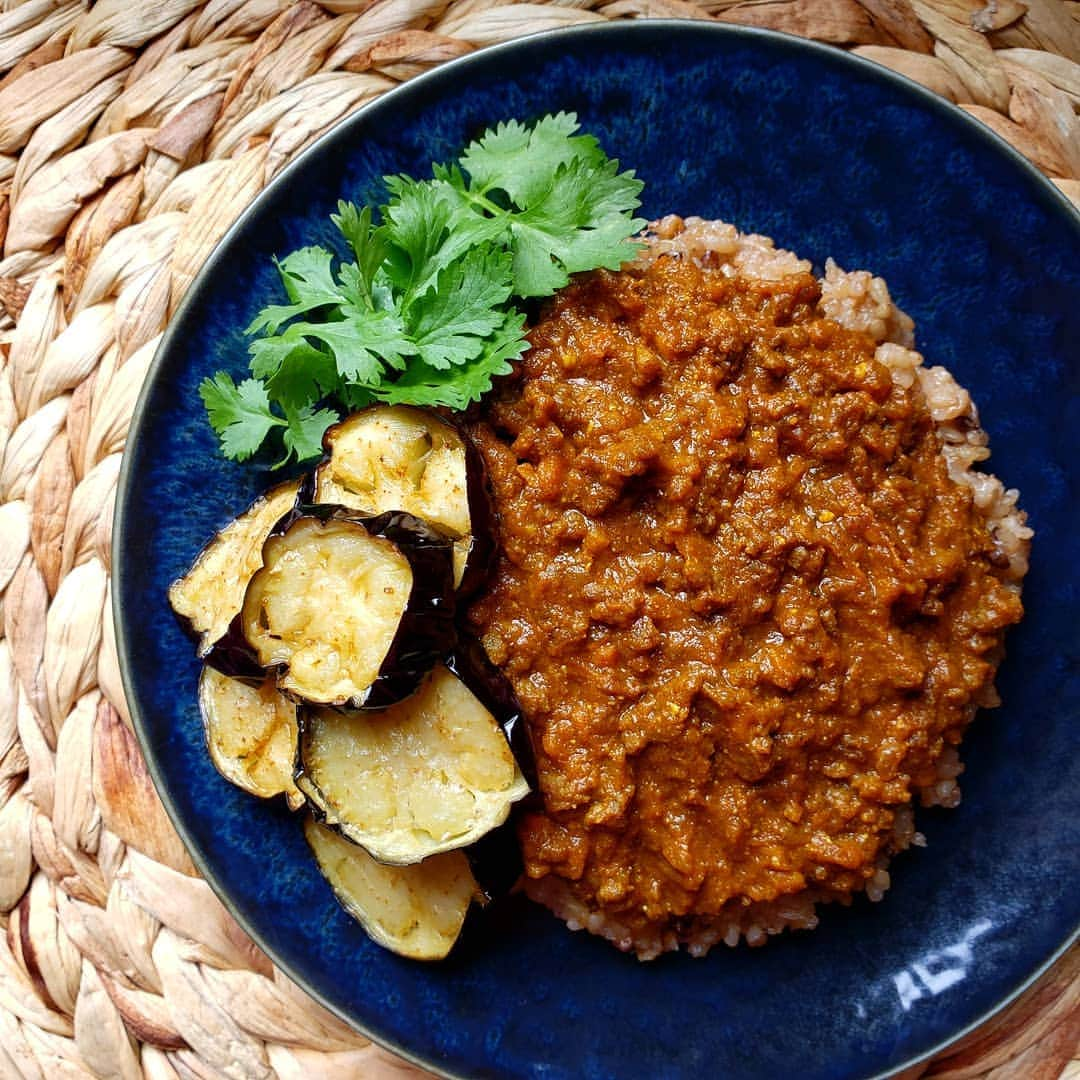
(830, 156)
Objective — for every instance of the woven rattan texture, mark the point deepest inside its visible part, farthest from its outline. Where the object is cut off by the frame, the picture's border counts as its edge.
(132, 132)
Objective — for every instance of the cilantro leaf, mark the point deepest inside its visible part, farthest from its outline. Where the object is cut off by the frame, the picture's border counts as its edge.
(575, 225)
(563, 205)
(353, 396)
(458, 387)
(363, 343)
(416, 220)
(495, 153)
(309, 283)
(240, 415)
(296, 373)
(368, 243)
(523, 162)
(452, 321)
(426, 232)
(422, 311)
(304, 434)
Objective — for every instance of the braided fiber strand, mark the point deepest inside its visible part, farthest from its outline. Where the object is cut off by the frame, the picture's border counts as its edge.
(132, 134)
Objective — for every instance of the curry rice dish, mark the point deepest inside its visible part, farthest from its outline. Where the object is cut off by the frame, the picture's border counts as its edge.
(751, 590)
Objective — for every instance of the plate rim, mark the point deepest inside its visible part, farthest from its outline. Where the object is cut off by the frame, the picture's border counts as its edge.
(419, 85)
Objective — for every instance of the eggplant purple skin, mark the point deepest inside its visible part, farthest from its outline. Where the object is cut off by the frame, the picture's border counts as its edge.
(305, 494)
(427, 630)
(483, 519)
(299, 772)
(496, 859)
(233, 656)
(470, 663)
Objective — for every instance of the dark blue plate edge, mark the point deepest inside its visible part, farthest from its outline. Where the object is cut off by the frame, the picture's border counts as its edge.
(1046, 191)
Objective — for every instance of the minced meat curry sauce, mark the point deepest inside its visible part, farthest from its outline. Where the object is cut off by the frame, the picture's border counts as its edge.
(742, 602)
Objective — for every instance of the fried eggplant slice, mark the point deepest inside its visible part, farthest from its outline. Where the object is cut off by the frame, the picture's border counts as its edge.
(210, 594)
(251, 733)
(496, 858)
(470, 663)
(353, 610)
(395, 457)
(429, 774)
(414, 911)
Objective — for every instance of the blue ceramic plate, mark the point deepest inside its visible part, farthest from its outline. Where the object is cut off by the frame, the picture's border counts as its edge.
(830, 156)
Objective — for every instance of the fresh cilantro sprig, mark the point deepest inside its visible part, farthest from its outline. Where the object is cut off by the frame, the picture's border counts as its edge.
(424, 312)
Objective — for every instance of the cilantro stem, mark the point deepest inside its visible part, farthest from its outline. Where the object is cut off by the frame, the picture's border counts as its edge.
(479, 199)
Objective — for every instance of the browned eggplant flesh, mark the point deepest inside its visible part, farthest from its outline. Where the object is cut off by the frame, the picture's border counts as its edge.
(415, 911)
(352, 610)
(211, 593)
(251, 733)
(395, 457)
(433, 773)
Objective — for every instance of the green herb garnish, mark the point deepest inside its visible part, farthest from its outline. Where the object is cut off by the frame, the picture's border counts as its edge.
(425, 312)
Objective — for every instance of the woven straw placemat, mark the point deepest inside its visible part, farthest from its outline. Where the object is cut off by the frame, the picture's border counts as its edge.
(132, 133)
